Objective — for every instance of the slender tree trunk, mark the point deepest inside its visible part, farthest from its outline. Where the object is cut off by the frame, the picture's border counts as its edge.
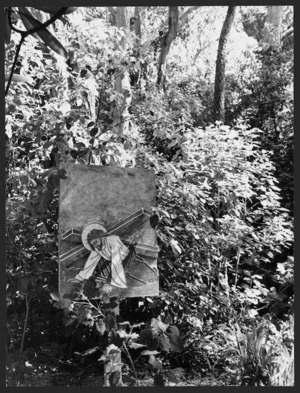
(137, 23)
(219, 91)
(166, 43)
(123, 18)
(271, 31)
(27, 299)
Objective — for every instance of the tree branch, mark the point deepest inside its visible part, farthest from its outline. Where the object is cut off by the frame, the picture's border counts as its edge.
(53, 18)
(185, 14)
(14, 63)
(24, 34)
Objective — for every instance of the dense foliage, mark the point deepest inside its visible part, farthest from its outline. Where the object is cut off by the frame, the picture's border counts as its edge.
(224, 196)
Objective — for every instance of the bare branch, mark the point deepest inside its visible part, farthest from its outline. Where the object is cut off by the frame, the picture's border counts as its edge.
(42, 26)
(185, 14)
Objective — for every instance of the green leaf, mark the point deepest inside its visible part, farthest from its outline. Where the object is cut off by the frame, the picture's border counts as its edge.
(147, 352)
(158, 326)
(24, 179)
(25, 284)
(47, 144)
(100, 326)
(147, 338)
(164, 342)
(174, 375)
(44, 34)
(157, 364)
(90, 351)
(176, 344)
(136, 346)
(94, 131)
(174, 330)
(19, 78)
(54, 296)
(124, 323)
(136, 325)
(89, 288)
(115, 378)
(175, 246)
(110, 322)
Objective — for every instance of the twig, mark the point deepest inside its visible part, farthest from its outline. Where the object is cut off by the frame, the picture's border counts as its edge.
(167, 281)
(115, 125)
(87, 301)
(237, 268)
(27, 300)
(60, 361)
(131, 362)
(15, 62)
(99, 101)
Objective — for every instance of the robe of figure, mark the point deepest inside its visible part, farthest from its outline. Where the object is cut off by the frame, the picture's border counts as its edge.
(113, 250)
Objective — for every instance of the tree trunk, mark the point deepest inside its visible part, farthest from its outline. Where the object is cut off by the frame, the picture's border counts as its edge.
(123, 18)
(219, 91)
(166, 43)
(271, 31)
(137, 23)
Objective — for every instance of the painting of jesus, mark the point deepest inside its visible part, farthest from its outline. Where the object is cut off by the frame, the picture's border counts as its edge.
(118, 251)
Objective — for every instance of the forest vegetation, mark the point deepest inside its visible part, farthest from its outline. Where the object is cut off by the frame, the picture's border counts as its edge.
(203, 96)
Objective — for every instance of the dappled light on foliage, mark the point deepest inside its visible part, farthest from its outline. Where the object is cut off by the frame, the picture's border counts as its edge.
(82, 87)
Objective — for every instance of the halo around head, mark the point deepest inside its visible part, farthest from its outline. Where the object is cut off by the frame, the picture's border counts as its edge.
(87, 229)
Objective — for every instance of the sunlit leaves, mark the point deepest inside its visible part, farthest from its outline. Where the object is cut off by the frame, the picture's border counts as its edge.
(160, 335)
(19, 78)
(222, 231)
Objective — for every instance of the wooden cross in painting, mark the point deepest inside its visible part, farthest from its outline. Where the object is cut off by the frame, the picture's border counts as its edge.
(105, 235)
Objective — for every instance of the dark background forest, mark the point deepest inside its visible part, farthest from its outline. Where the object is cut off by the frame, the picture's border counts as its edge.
(202, 95)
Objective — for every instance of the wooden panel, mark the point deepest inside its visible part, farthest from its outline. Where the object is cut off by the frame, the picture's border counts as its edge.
(110, 207)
